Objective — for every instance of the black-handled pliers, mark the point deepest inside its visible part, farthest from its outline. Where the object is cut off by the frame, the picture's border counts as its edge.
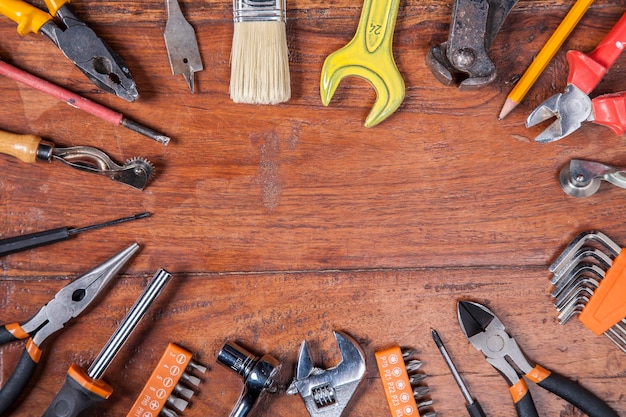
(77, 41)
(68, 303)
(487, 334)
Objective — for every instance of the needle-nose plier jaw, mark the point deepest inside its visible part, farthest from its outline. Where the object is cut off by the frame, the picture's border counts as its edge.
(68, 303)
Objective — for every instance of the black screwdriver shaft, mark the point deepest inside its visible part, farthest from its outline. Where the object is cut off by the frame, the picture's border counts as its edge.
(473, 407)
(46, 237)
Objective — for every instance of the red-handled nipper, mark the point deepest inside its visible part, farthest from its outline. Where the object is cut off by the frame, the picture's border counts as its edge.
(573, 107)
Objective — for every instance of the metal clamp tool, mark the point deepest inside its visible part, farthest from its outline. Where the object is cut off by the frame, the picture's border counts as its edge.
(326, 392)
(369, 56)
(474, 26)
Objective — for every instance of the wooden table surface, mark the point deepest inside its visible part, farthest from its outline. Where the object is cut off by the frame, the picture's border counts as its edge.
(283, 223)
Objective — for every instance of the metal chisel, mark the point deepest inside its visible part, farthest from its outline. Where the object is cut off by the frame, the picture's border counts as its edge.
(181, 44)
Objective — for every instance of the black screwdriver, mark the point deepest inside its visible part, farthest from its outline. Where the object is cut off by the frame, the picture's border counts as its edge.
(34, 240)
(474, 409)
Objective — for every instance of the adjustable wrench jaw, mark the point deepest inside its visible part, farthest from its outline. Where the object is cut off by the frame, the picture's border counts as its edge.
(571, 108)
(327, 392)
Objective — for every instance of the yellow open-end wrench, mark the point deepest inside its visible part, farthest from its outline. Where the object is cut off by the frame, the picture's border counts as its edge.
(369, 55)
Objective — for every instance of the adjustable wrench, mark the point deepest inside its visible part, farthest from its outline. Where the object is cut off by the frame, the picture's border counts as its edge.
(326, 392)
(369, 55)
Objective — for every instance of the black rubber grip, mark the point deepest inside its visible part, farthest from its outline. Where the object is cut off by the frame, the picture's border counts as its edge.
(17, 382)
(72, 400)
(6, 336)
(475, 410)
(33, 240)
(578, 396)
(526, 407)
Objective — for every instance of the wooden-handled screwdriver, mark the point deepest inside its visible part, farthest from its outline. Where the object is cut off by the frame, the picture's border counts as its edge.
(47, 237)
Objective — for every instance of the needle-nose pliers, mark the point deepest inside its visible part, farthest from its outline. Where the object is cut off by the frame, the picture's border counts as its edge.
(68, 303)
(487, 334)
(77, 41)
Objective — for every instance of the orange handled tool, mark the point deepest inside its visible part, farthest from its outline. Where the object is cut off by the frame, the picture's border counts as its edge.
(168, 386)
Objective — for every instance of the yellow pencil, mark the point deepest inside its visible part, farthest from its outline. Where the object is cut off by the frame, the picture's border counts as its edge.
(544, 56)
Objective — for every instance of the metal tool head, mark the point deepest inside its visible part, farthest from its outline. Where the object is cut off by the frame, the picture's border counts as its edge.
(581, 178)
(584, 256)
(583, 239)
(468, 71)
(79, 43)
(260, 375)
(76, 296)
(571, 109)
(581, 272)
(487, 334)
(136, 172)
(181, 44)
(369, 56)
(463, 58)
(327, 392)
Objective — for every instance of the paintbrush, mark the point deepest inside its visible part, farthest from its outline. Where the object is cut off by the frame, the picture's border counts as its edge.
(259, 56)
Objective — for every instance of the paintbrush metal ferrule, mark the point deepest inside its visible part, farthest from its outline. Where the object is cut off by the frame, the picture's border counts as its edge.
(259, 10)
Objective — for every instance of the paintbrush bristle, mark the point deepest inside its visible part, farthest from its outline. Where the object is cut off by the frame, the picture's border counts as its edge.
(260, 63)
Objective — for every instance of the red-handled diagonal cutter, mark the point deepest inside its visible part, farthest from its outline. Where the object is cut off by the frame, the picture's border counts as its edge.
(573, 107)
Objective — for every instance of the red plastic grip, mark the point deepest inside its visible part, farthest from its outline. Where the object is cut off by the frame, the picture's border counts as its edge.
(610, 110)
(586, 71)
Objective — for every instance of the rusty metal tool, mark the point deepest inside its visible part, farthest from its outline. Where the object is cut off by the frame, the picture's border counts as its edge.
(581, 178)
(260, 375)
(181, 44)
(574, 106)
(488, 335)
(135, 172)
(369, 56)
(463, 58)
(327, 392)
(406, 393)
(78, 42)
(590, 281)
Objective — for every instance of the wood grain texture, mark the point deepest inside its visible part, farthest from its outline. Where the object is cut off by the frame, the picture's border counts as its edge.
(283, 223)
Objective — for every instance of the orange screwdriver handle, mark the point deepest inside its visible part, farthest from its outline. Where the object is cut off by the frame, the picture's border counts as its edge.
(23, 147)
(28, 18)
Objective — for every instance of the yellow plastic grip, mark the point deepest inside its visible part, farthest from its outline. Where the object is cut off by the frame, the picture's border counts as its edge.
(54, 5)
(28, 18)
(23, 147)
